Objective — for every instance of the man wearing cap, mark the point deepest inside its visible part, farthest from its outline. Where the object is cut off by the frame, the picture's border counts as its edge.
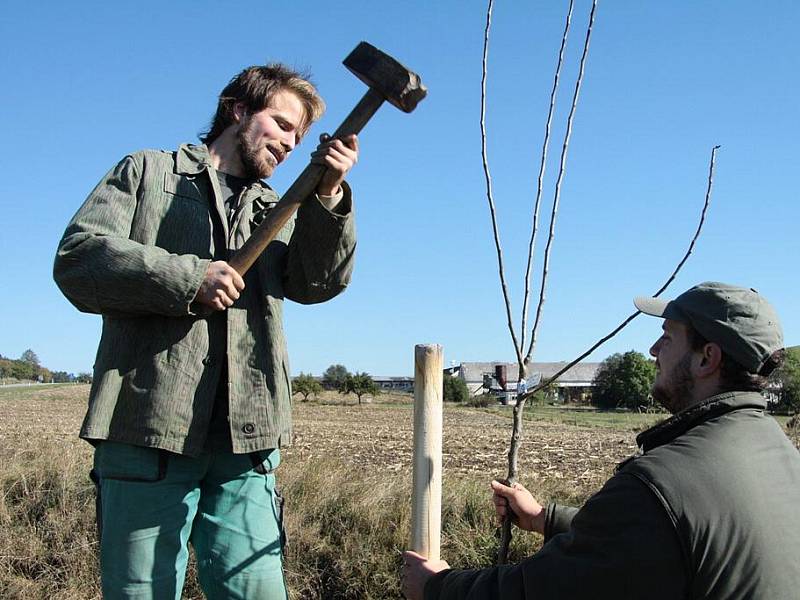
(709, 507)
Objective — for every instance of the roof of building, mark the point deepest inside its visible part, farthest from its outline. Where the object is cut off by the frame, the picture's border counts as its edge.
(579, 373)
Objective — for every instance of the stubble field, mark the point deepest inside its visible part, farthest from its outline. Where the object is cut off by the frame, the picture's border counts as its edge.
(346, 478)
(575, 447)
(377, 435)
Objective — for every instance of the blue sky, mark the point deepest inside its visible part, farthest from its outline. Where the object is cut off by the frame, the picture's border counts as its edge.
(665, 81)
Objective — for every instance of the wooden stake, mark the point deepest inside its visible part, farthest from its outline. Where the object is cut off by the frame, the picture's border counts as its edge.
(426, 507)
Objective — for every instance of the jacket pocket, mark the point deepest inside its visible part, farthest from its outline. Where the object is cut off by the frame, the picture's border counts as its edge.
(183, 186)
(179, 219)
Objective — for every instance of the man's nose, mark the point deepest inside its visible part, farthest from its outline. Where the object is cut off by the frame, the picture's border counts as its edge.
(654, 350)
(289, 142)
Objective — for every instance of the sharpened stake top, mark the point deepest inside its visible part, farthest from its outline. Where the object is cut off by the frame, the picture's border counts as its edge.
(379, 71)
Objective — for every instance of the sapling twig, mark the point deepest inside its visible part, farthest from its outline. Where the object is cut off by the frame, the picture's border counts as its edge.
(516, 435)
(488, 177)
(517, 425)
(525, 362)
(540, 179)
(559, 180)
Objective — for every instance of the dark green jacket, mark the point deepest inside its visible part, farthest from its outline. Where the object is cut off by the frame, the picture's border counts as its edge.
(710, 508)
(136, 253)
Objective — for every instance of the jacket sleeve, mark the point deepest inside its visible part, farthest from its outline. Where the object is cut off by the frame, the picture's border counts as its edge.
(621, 545)
(321, 251)
(557, 519)
(100, 270)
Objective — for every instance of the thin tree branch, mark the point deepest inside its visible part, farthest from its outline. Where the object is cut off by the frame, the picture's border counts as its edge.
(505, 539)
(557, 196)
(540, 181)
(699, 225)
(516, 432)
(671, 278)
(500, 268)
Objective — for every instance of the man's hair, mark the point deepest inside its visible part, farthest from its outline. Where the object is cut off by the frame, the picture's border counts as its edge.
(733, 376)
(255, 87)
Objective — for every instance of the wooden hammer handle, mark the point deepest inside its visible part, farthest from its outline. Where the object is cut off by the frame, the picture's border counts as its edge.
(302, 188)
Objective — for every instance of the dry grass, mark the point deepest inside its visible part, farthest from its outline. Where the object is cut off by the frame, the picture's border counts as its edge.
(346, 480)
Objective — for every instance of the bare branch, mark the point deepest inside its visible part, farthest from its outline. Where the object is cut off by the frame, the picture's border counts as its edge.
(699, 225)
(516, 432)
(540, 181)
(671, 278)
(557, 196)
(500, 268)
(505, 538)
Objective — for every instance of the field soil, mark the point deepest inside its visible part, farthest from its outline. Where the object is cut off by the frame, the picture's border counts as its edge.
(577, 447)
(379, 435)
(346, 477)
(42, 414)
(376, 435)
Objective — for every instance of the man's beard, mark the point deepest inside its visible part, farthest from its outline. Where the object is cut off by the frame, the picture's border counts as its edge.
(251, 154)
(675, 392)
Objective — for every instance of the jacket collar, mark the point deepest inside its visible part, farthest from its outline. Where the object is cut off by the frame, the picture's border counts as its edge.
(666, 431)
(193, 159)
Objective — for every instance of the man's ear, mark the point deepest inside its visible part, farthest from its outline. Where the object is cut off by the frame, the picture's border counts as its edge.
(239, 111)
(710, 360)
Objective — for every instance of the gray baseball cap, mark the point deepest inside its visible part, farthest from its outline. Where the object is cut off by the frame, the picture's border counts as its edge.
(738, 319)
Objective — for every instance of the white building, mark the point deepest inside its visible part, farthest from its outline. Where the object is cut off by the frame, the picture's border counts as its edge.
(573, 385)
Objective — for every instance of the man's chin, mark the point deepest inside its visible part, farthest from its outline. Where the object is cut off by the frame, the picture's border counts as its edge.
(664, 399)
(261, 170)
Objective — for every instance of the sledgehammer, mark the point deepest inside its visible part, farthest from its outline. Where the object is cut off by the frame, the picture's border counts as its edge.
(387, 80)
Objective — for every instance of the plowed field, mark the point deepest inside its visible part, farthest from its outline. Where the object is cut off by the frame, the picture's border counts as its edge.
(578, 448)
(374, 435)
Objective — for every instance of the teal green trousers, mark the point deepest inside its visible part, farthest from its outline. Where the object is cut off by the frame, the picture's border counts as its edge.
(151, 504)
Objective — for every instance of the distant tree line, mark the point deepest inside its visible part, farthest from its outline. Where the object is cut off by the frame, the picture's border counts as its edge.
(336, 377)
(28, 368)
(623, 380)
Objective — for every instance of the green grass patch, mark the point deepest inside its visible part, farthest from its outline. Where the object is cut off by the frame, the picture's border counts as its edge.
(34, 390)
(586, 416)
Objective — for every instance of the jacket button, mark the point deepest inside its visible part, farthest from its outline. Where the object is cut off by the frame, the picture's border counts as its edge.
(248, 428)
(208, 361)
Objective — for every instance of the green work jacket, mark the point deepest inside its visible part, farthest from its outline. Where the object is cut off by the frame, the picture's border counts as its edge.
(137, 251)
(709, 508)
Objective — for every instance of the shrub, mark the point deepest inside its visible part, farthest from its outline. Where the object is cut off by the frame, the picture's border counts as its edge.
(359, 384)
(482, 401)
(306, 384)
(624, 380)
(334, 376)
(787, 378)
(455, 389)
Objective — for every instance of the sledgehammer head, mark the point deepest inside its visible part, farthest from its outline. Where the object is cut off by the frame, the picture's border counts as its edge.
(384, 74)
